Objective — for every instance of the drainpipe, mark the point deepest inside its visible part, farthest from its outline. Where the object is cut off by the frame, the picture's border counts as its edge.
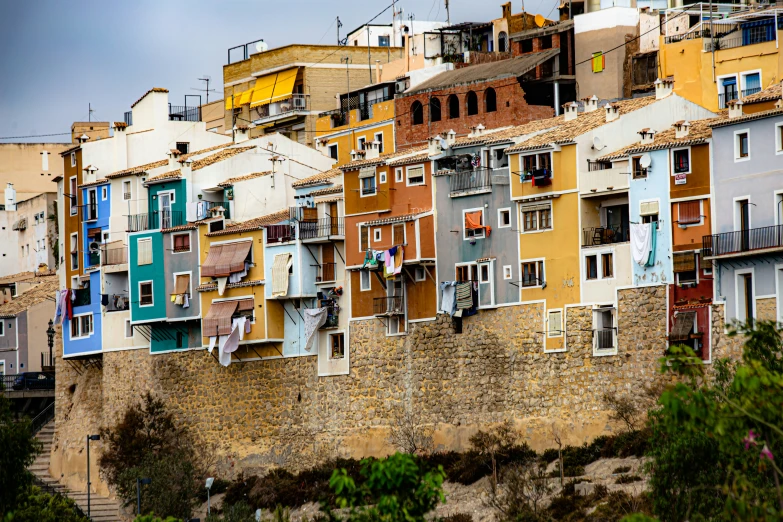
(557, 98)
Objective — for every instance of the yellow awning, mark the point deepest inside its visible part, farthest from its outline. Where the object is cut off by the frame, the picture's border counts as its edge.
(285, 84)
(236, 101)
(262, 92)
(245, 98)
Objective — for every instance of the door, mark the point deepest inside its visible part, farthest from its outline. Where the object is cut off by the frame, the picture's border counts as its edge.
(164, 206)
(327, 263)
(747, 280)
(333, 219)
(617, 223)
(729, 92)
(92, 210)
(486, 284)
(744, 225)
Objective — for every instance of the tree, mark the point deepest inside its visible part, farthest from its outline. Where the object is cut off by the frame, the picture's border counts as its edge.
(408, 436)
(33, 505)
(19, 449)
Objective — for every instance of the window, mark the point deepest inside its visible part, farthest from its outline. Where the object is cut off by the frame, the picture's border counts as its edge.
(507, 274)
(471, 101)
(364, 280)
(379, 140)
(473, 223)
(742, 145)
(416, 175)
(484, 273)
(453, 104)
(368, 186)
(2, 326)
(73, 164)
(364, 238)
(418, 274)
(603, 329)
(81, 326)
(689, 212)
(591, 267)
(504, 218)
(779, 138)
(532, 273)
(376, 235)
(72, 196)
(490, 100)
(598, 62)
(183, 147)
(333, 151)
(639, 172)
(382, 177)
(607, 265)
(398, 175)
(417, 113)
(181, 340)
(502, 42)
(685, 269)
(126, 190)
(361, 144)
(383, 41)
(144, 251)
(681, 158)
(499, 159)
(466, 273)
(337, 341)
(145, 293)
(104, 193)
(216, 226)
(74, 251)
(745, 296)
(128, 329)
(546, 42)
(181, 242)
(555, 323)
(434, 109)
(536, 217)
(398, 234)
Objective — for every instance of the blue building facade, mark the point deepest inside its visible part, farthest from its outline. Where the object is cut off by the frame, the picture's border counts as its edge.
(95, 222)
(82, 333)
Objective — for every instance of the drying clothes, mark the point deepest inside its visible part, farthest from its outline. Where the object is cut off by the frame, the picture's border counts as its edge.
(473, 222)
(212, 341)
(223, 357)
(239, 324)
(448, 302)
(191, 211)
(201, 210)
(232, 343)
(314, 318)
(247, 326)
(221, 282)
(104, 299)
(69, 297)
(653, 238)
(186, 301)
(464, 296)
(173, 298)
(59, 310)
(641, 242)
(178, 299)
(398, 261)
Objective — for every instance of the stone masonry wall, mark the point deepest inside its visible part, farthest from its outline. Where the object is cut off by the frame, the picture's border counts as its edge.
(259, 415)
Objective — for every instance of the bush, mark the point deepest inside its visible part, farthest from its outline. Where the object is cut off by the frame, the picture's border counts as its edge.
(549, 455)
(621, 469)
(573, 471)
(627, 479)
(19, 449)
(33, 505)
(458, 517)
(239, 512)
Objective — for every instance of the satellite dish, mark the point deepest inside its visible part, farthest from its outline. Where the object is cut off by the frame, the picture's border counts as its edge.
(261, 46)
(540, 20)
(645, 161)
(597, 143)
(444, 144)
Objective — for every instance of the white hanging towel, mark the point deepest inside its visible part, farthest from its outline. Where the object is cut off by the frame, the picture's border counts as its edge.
(314, 318)
(239, 324)
(191, 211)
(641, 242)
(230, 346)
(221, 282)
(212, 341)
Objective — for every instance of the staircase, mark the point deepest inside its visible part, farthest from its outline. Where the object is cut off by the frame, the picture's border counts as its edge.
(102, 509)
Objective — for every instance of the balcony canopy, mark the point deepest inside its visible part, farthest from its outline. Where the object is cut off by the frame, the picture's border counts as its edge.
(274, 87)
(224, 259)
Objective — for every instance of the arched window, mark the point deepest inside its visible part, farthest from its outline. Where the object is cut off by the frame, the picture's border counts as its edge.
(471, 100)
(490, 100)
(453, 104)
(502, 42)
(417, 113)
(434, 109)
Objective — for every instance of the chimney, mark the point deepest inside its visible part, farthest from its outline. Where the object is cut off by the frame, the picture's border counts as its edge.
(433, 145)
(240, 133)
(681, 129)
(174, 159)
(735, 108)
(476, 131)
(648, 136)
(612, 112)
(591, 104)
(120, 146)
(451, 137)
(320, 145)
(185, 170)
(371, 149)
(663, 88)
(357, 154)
(377, 71)
(83, 138)
(570, 111)
(407, 50)
(10, 197)
(779, 104)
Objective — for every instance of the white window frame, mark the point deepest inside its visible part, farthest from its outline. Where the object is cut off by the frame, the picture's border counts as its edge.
(190, 244)
(737, 212)
(138, 250)
(104, 193)
(361, 142)
(380, 142)
(737, 158)
(492, 157)
(408, 175)
(398, 177)
(719, 86)
(171, 193)
(481, 276)
(74, 202)
(465, 236)
(536, 154)
(418, 274)
(73, 159)
(74, 240)
(605, 351)
(548, 318)
(779, 139)
(743, 79)
(500, 221)
(508, 272)
(690, 162)
(697, 261)
(738, 275)
(174, 280)
(129, 192)
(78, 320)
(538, 275)
(362, 287)
(382, 177)
(336, 149)
(375, 185)
(377, 235)
(329, 347)
(152, 286)
(538, 228)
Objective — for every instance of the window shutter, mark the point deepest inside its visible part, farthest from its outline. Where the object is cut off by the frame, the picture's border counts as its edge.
(684, 261)
(364, 238)
(398, 234)
(689, 212)
(648, 208)
(144, 254)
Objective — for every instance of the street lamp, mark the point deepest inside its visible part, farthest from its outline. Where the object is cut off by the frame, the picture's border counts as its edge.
(139, 483)
(50, 338)
(89, 438)
(210, 480)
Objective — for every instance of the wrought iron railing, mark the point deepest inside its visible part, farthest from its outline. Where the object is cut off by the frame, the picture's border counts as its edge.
(594, 236)
(391, 305)
(43, 418)
(323, 227)
(604, 338)
(155, 220)
(81, 297)
(325, 272)
(114, 256)
(184, 113)
(742, 241)
(470, 180)
(27, 381)
(280, 233)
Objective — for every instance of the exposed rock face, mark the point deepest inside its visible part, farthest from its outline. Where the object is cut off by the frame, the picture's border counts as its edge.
(278, 412)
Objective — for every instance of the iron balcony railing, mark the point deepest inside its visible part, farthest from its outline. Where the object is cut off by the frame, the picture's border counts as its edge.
(742, 241)
(224, 204)
(89, 211)
(27, 381)
(129, 118)
(725, 97)
(604, 338)
(118, 303)
(391, 305)
(297, 102)
(280, 233)
(155, 220)
(594, 236)
(81, 297)
(114, 256)
(741, 38)
(184, 113)
(325, 272)
(323, 227)
(470, 180)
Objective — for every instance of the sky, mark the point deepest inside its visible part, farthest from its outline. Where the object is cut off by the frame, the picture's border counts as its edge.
(59, 57)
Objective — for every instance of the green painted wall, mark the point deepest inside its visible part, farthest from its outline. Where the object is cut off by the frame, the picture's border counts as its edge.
(180, 198)
(154, 272)
(167, 336)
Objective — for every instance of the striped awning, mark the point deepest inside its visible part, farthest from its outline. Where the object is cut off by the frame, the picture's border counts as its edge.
(683, 324)
(182, 284)
(684, 261)
(218, 318)
(222, 260)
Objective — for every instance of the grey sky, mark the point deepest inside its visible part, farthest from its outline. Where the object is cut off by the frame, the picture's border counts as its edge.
(58, 56)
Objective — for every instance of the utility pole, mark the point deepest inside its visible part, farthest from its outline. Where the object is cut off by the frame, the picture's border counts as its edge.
(369, 64)
(339, 25)
(89, 112)
(448, 15)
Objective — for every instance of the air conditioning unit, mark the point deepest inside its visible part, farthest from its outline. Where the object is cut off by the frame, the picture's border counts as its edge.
(300, 103)
(94, 246)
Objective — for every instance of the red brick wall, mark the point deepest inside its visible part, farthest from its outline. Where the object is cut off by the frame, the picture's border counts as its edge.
(512, 109)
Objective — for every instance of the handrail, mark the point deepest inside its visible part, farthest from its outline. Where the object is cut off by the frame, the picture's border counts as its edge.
(390, 305)
(468, 180)
(742, 241)
(42, 419)
(323, 227)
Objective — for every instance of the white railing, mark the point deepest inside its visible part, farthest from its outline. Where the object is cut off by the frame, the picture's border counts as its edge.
(601, 181)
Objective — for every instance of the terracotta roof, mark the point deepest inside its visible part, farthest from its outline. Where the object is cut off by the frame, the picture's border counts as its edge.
(395, 219)
(172, 174)
(253, 224)
(335, 189)
(68, 151)
(567, 131)
(246, 177)
(219, 156)
(15, 278)
(213, 286)
(187, 226)
(317, 179)
(154, 89)
(748, 117)
(383, 158)
(416, 158)
(175, 152)
(771, 93)
(94, 183)
(37, 294)
(120, 125)
(203, 151)
(140, 169)
(699, 132)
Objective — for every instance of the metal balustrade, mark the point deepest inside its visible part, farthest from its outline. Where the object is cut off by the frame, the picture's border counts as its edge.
(743, 241)
(155, 220)
(603, 338)
(322, 228)
(470, 180)
(280, 233)
(391, 305)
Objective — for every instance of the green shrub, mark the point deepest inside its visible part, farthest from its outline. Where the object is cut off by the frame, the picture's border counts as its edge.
(622, 469)
(19, 449)
(573, 471)
(627, 479)
(549, 455)
(33, 505)
(458, 517)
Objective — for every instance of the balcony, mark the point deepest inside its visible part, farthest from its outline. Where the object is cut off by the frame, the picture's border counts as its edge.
(538, 177)
(114, 255)
(601, 181)
(609, 235)
(463, 183)
(603, 338)
(386, 306)
(215, 204)
(293, 106)
(750, 241)
(325, 272)
(118, 303)
(322, 229)
(89, 212)
(280, 233)
(81, 297)
(184, 113)
(725, 97)
(749, 34)
(155, 220)
(332, 319)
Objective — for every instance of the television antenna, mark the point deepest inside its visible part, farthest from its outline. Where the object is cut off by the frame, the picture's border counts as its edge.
(205, 78)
